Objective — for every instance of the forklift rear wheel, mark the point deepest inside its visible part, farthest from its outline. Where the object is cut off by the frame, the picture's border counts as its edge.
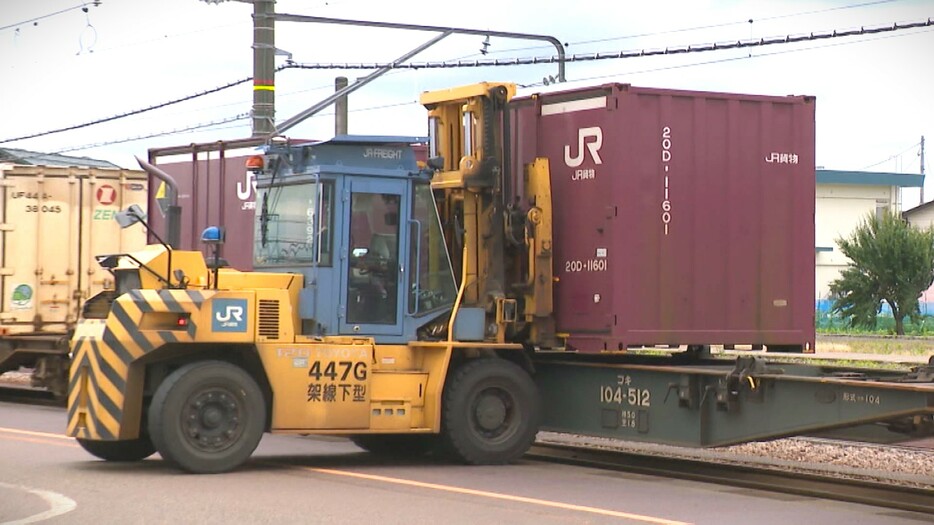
(125, 450)
(491, 412)
(207, 417)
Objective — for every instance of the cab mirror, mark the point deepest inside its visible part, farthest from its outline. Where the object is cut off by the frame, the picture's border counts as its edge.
(130, 216)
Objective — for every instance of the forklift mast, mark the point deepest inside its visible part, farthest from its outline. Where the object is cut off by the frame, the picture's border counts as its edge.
(498, 235)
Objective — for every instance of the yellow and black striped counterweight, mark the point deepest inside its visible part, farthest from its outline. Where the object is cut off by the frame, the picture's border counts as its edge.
(105, 355)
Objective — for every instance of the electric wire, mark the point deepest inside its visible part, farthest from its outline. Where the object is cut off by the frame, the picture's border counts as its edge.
(616, 55)
(690, 29)
(218, 124)
(242, 116)
(521, 61)
(727, 24)
(82, 5)
(131, 113)
(279, 96)
(890, 157)
(734, 59)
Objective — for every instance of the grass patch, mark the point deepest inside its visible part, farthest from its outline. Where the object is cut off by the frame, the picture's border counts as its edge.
(826, 323)
(875, 345)
(843, 363)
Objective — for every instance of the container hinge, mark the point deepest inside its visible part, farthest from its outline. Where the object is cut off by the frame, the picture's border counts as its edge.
(6, 271)
(7, 227)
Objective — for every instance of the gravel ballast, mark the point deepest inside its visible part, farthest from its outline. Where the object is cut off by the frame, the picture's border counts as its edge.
(864, 461)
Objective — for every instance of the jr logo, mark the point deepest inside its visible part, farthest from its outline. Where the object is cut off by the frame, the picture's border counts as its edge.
(245, 191)
(229, 315)
(593, 146)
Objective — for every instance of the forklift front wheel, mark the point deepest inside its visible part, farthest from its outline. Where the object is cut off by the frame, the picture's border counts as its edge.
(491, 412)
(207, 417)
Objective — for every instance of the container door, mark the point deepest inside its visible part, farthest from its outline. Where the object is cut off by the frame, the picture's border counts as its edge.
(373, 285)
(40, 251)
(106, 193)
(576, 136)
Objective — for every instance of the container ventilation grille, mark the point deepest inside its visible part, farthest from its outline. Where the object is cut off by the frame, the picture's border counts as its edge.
(269, 318)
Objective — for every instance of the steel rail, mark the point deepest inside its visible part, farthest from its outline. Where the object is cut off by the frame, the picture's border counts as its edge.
(751, 477)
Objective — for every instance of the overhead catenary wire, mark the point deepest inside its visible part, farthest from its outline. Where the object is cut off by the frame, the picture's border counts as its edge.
(697, 28)
(638, 53)
(735, 58)
(678, 50)
(651, 70)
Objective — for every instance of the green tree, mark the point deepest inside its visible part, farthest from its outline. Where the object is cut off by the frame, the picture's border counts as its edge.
(892, 262)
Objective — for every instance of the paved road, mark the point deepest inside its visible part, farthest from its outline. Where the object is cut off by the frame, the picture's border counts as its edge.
(45, 477)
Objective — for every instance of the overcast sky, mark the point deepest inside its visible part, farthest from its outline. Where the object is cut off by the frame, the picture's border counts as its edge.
(875, 95)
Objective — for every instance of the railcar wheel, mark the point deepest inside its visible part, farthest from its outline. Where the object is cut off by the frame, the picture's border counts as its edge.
(121, 451)
(396, 445)
(207, 417)
(491, 412)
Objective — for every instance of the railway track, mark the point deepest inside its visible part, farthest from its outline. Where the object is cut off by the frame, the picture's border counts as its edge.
(907, 444)
(876, 493)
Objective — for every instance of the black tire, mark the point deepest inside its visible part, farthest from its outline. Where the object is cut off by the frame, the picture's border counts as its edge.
(491, 412)
(121, 451)
(207, 417)
(396, 445)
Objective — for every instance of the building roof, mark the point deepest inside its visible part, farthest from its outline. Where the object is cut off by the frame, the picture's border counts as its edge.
(34, 158)
(871, 178)
(907, 214)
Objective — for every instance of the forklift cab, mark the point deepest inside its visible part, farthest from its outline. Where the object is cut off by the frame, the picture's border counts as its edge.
(356, 216)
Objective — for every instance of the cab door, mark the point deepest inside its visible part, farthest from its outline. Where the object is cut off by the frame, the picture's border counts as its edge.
(373, 281)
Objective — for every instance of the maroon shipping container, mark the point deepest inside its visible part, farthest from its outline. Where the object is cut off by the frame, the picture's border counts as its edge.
(680, 217)
(215, 189)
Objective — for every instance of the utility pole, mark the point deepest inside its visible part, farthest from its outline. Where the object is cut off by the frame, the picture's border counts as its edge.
(264, 67)
(922, 169)
(340, 107)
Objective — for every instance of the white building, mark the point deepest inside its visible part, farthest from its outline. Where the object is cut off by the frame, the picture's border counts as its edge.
(922, 216)
(844, 199)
